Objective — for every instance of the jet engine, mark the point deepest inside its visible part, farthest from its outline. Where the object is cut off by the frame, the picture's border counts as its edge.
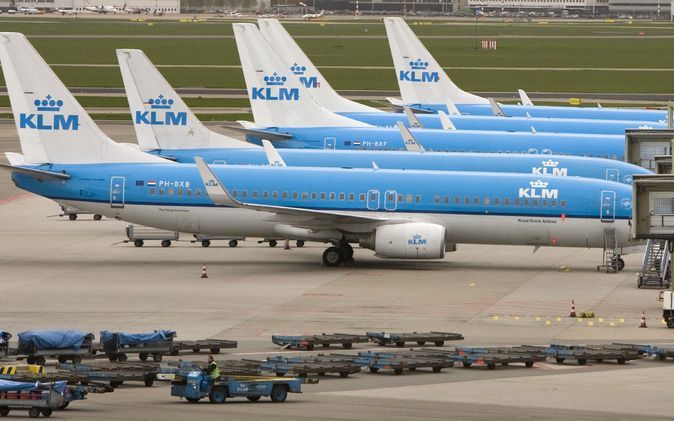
(414, 240)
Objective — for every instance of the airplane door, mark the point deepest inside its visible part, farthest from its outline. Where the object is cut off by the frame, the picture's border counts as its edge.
(612, 174)
(607, 206)
(390, 200)
(117, 185)
(373, 199)
(329, 143)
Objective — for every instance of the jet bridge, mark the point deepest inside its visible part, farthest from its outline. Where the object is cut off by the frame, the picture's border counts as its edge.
(653, 220)
(642, 146)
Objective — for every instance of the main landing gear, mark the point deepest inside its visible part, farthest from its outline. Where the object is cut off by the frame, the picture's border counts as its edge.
(341, 253)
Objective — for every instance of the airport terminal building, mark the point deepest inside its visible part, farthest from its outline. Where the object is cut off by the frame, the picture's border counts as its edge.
(160, 6)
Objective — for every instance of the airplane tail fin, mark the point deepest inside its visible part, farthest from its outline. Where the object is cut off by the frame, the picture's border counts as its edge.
(300, 65)
(53, 127)
(161, 118)
(420, 77)
(277, 97)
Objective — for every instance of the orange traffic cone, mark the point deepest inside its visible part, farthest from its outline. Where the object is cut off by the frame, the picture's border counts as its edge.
(204, 274)
(643, 319)
(573, 309)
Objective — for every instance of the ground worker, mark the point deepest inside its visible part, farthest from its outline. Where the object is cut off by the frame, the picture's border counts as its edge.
(212, 370)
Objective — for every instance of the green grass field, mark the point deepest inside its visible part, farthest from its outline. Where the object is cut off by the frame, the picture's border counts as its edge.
(636, 57)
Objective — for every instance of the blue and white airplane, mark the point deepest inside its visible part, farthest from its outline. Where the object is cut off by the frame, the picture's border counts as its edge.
(166, 126)
(398, 214)
(301, 67)
(425, 86)
(284, 112)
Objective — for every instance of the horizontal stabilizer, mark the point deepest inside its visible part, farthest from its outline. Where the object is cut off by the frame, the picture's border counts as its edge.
(39, 174)
(262, 134)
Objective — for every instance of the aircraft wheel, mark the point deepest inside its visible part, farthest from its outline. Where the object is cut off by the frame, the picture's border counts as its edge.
(620, 264)
(233, 243)
(300, 243)
(332, 257)
(272, 243)
(72, 216)
(97, 217)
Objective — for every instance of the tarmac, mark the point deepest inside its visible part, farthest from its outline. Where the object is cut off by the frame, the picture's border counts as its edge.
(56, 273)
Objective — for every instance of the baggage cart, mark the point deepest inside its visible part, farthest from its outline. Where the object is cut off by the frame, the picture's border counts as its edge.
(305, 366)
(65, 345)
(137, 235)
(205, 240)
(116, 373)
(421, 338)
(73, 213)
(197, 385)
(584, 353)
(309, 342)
(212, 345)
(376, 361)
(38, 399)
(117, 345)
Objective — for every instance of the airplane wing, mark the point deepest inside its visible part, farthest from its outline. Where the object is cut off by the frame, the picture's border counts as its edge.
(248, 128)
(356, 222)
(39, 174)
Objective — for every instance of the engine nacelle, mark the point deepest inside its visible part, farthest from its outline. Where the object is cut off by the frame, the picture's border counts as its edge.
(414, 240)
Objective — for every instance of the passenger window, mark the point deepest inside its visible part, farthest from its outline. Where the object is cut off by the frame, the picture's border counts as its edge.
(373, 196)
(457, 200)
(170, 191)
(314, 195)
(447, 200)
(332, 196)
(553, 203)
(235, 193)
(476, 201)
(197, 192)
(437, 199)
(323, 196)
(285, 194)
(466, 200)
(562, 203)
(151, 190)
(274, 195)
(517, 202)
(506, 201)
(189, 192)
(254, 194)
(486, 201)
(180, 192)
(341, 196)
(305, 195)
(400, 198)
(161, 191)
(408, 198)
(545, 203)
(496, 200)
(265, 195)
(417, 198)
(244, 193)
(295, 195)
(535, 202)
(526, 202)
(352, 196)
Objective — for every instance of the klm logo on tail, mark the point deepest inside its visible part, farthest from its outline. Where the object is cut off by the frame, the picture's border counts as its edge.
(275, 90)
(418, 73)
(48, 117)
(538, 190)
(308, 82)
(550, 167)
(160, 113)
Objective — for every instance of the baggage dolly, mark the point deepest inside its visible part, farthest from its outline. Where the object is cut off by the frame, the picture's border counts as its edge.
(584, 353)
(205, 240)
(117, 345)
(212, 345)
(421, 338)
(137, 235)
(40, 399)
(308, 342)
(33, 348)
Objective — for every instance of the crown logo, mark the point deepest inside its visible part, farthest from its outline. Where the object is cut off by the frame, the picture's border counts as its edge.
(419, 64)
(160, 103)
(416, 237)
(48, 104)
(275, 80)
(538, 183)
(297, 69)
(550, 163)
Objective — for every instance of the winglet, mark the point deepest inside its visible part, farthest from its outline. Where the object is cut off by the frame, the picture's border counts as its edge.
(375, 166)
(273, 156)
(411, 143)
(412, 119)
(451, 107)
(525, 98)
(533, 130)
(216, 191)
(496, 109)
(445, 121)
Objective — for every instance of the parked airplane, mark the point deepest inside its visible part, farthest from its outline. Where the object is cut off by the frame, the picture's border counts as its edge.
(103, 9)
(425, 86)
(301, 67)
(312, 16)
(166, 126)
(398, 214)
(284, 112)
(30, 11)
(66, 11)
(135, 10)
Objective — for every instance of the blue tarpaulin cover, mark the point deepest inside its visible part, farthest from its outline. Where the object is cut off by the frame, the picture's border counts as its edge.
(12, 386)
(137, 338)
(31, 340)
